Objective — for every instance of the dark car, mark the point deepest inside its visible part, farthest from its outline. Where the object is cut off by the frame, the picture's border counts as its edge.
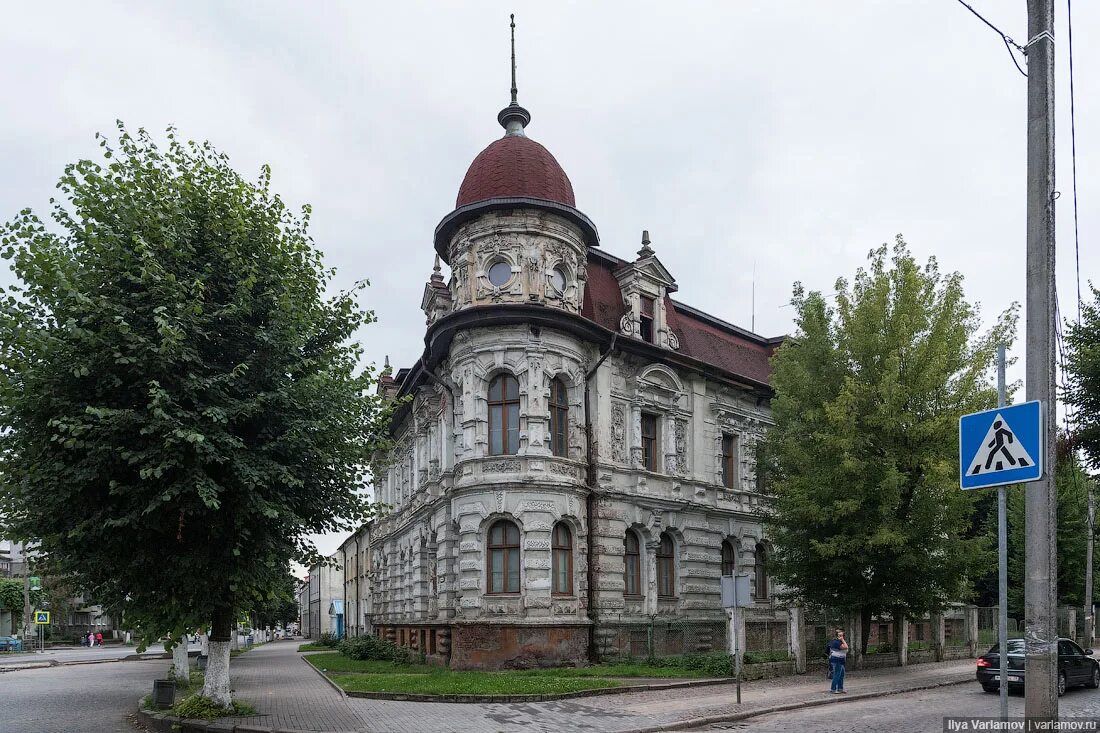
(1075, 666)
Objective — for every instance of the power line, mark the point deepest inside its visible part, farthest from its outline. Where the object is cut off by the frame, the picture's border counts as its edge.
(1073, 157)
(1009, 43)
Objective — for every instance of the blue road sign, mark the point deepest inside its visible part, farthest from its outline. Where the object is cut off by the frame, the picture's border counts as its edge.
(1001, 446)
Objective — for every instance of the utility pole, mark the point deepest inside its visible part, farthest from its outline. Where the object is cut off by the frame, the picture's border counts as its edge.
(1041, 562)
(1088, 564)
(1002, 556)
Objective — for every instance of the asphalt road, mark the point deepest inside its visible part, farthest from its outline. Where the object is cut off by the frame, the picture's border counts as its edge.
(86, 698)
(915, 712)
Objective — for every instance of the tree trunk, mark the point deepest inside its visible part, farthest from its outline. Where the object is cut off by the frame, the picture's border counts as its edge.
(216, 685)
(204, 643)
(865, 630)
(181, 670)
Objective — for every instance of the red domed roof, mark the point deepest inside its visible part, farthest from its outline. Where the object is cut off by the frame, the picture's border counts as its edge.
(515, 166)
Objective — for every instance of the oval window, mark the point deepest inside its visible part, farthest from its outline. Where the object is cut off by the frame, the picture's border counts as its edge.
(557, 279)
(500, 273)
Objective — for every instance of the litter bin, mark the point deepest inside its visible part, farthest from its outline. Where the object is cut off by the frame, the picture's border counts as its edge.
(164, 693)
(200, 661)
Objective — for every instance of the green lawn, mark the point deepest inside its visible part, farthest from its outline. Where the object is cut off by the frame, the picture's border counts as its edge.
(336, 662)
(617, 670)
(467, 683)
(314, 648)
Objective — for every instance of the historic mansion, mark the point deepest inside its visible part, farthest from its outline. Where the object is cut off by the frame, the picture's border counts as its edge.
(574, 463)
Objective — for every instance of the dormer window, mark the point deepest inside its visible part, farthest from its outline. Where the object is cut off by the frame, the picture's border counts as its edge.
(645, 318)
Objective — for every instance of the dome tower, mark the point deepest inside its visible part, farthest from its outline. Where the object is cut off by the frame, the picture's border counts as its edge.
(515, 235)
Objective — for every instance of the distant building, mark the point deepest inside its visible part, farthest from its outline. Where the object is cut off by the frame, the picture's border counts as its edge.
(577, 456)
(356, 559)
(324, 585)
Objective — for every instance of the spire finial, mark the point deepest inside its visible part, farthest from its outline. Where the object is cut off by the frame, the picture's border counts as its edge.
(387, 361)
(514, 118)
(514, 90)
(437, 277)
(646, 250)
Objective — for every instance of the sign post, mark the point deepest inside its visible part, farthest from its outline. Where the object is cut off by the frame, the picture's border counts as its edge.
(735, 594)
(41, 621)
(996, 448)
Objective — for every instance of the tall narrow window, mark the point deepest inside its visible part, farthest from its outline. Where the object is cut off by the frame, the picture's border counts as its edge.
(649, 442)
(729, 562)
(645, 318)
(559, 418)
(562, 560)
(666, 567)
(503, 415)
(503, 558)
(761, 571)
(729, 461)
(633, 566)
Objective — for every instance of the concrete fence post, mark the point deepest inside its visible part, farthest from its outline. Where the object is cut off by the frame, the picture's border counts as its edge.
(901, 635)
(797, 635)
(939, 635)
(972, 630)
(854, 632)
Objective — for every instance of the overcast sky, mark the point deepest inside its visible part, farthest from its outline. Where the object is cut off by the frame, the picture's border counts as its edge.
(788, 138)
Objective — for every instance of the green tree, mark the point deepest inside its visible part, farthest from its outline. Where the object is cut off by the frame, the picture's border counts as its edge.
(278, 607)
(1082, 390)
(1072, 484)
(181, 403)
(862, 463)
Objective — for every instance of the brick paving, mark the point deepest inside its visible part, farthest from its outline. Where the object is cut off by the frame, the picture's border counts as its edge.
(291, 695)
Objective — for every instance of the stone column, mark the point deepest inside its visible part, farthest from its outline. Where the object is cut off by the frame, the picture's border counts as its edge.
(939, 635)
(901, 637)
(972, 630)
(797, 636)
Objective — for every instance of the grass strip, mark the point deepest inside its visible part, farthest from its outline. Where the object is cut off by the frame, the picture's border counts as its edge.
(314, 648)
(336, 662)
(467, 683)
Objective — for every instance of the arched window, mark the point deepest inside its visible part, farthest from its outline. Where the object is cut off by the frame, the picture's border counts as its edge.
(666, 567)
(563, 560)
(503, 415)
(761, 571)
(729, 561)
(559, 418)
(503, 558)
(633, 568)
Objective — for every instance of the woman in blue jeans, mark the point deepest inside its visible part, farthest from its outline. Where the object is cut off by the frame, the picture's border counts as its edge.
(838, 653)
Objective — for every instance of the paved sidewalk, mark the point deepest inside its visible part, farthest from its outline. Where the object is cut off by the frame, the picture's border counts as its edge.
(291, 695)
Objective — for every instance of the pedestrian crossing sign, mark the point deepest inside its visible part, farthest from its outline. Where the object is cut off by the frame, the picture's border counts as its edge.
(1001, 446)
(42, 618)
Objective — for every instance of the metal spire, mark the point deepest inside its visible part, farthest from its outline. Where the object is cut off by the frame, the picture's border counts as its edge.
(514, 118)
(514, 90)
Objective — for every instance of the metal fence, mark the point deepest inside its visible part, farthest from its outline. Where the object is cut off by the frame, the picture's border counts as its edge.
(766, 641)
(659, 638)
(988, 624)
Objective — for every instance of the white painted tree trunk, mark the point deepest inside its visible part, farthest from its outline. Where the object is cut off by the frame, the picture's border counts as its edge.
(235, 639)
(180, 668)
(204, 644)
(216, 685)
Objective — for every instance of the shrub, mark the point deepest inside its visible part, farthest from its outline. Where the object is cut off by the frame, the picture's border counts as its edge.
(330, 640)
(203, 708)
(373, 648)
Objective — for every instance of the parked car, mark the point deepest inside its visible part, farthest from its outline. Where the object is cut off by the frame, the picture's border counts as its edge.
(10, 644)
(1075, 666)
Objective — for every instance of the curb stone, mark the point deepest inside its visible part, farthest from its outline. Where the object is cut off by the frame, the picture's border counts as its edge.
(745, 715)
(162, 722)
